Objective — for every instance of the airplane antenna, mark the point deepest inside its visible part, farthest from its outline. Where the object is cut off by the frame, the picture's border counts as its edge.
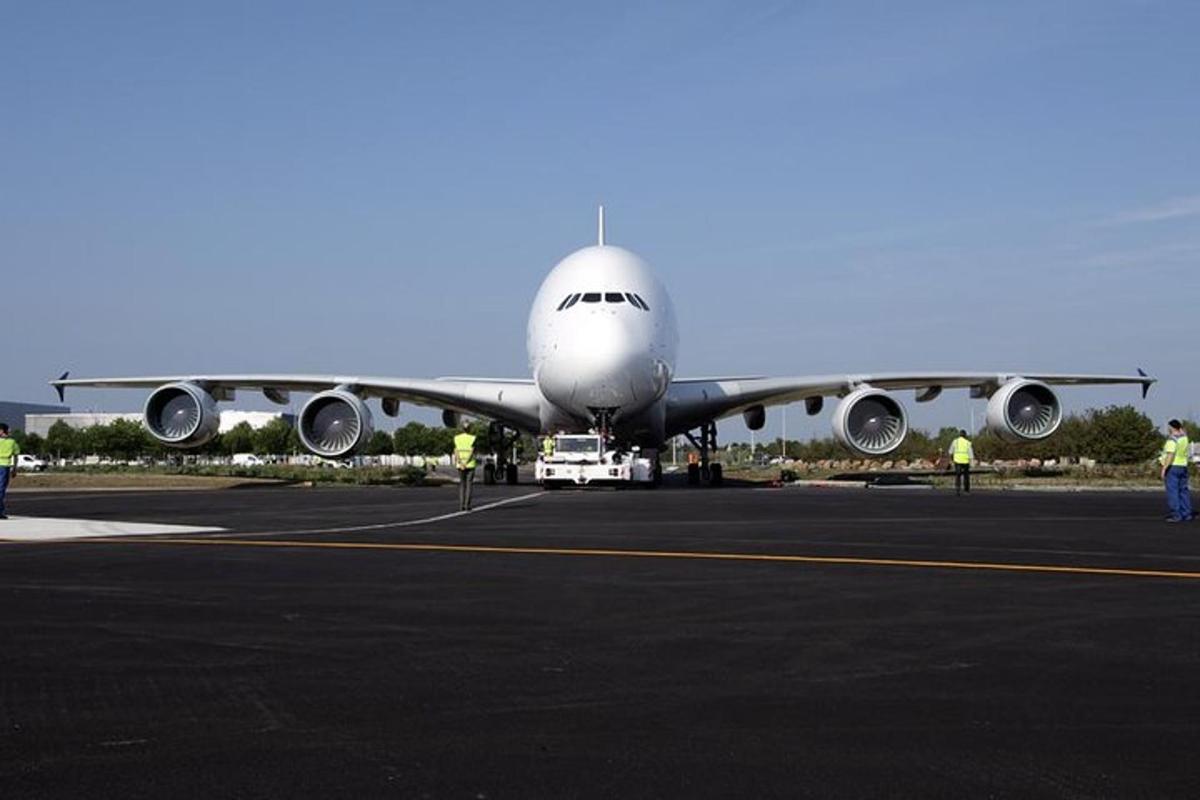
(601, 233)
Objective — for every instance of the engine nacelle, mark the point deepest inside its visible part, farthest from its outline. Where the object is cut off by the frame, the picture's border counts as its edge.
(870, 422)
(1024, 411)
(182, 415)
(335, 423)
(755, 417)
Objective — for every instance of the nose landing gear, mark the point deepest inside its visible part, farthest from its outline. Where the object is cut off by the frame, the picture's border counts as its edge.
(602, 419)
(705, 472)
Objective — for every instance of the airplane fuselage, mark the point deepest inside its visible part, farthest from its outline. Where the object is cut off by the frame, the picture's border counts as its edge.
(602, 341)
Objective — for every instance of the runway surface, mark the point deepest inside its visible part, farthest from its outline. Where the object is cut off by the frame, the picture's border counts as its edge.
(737, 642)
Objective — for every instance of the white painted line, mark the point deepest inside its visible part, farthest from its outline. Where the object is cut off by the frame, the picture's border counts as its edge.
(50, 529)
(406, 523)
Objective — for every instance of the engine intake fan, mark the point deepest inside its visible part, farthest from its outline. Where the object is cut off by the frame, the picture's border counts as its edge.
(1024, 411)
(335, 423)
(870, 422)
(182, 415)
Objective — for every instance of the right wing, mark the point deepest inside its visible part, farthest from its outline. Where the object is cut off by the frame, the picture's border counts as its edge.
(513, 402)
(693, 402)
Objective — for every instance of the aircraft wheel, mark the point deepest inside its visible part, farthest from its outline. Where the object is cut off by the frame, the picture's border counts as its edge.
(693, 474)
(489, 474)
(510, 474)
(706, 474)
(716, 477)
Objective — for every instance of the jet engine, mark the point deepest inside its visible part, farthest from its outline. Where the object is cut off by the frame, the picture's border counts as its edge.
(335, 423)
(1024, 411)
(755, 417)
(182, 415)
(870, 422)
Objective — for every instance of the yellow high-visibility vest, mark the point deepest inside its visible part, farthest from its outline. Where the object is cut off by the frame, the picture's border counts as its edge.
(1175, 451)
(548, 446)
(464, 451)
(962, 450)
(9, 450)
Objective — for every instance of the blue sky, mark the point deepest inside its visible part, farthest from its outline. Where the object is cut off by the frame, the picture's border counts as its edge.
(824, 187)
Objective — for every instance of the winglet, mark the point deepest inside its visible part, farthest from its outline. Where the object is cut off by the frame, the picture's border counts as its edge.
(59, 388)
(1146, 383)
(600, 234)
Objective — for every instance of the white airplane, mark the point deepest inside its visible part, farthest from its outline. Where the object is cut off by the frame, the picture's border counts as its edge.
(602, 342)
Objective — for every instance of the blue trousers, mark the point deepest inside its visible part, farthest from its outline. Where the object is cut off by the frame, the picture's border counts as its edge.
(3, 487)
(1178, 498)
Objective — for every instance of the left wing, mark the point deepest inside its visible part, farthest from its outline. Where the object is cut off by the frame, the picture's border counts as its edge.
(691, 403)
(514, 402)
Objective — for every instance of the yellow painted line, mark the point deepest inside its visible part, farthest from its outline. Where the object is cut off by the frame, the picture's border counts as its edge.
(668, 554)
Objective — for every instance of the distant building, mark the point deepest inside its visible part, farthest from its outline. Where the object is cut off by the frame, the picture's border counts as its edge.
(256, 419)
(41, 423)
(15, 413)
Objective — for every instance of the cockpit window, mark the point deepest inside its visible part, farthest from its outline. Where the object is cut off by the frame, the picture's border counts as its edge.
(634, 300)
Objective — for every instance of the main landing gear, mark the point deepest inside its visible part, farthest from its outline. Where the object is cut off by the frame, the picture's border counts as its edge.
(498, 466)
(706, 443)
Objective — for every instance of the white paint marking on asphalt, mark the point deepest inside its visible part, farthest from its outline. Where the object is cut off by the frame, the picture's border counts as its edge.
(396, 524)
(50, 529)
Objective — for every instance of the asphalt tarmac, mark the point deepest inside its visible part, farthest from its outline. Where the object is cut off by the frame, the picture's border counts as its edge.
(733, 642)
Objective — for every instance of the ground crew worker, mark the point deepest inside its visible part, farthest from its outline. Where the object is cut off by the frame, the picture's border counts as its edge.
(464, 461)
(962, 453)
(9, 450)
(1174, 462)
(548, 448)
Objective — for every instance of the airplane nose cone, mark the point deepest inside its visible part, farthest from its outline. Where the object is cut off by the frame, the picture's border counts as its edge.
(599, 364)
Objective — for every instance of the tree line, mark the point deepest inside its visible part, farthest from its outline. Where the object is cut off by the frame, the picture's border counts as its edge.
(1114, 435)
(126, 440)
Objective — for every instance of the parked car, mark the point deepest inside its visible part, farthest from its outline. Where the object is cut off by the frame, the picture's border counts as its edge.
(27, 462)
(342, 463)
(247, 460)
